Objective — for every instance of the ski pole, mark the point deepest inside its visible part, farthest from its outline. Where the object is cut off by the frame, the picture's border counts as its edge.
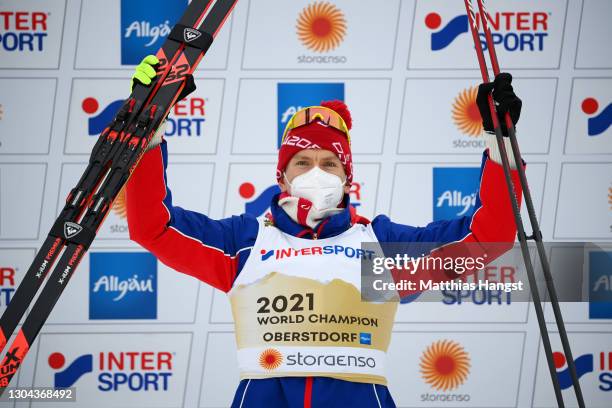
(536, 232)
(522, 237)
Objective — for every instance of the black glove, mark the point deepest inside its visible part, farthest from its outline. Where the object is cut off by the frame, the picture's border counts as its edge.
(505, 101)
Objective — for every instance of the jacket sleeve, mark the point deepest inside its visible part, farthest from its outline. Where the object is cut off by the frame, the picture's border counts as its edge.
(213, 251)
(491, 221)
(491, 226)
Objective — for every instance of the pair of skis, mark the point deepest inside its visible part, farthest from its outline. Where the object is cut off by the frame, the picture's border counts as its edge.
(113, 159)
(522, 236)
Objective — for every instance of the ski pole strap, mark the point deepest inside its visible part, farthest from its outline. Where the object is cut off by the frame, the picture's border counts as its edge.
(73, 233)
(191, 37)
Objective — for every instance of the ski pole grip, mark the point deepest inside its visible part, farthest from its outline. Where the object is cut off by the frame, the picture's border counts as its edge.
(191, 37)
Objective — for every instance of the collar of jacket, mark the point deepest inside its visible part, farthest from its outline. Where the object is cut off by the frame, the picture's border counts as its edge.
(329, 227)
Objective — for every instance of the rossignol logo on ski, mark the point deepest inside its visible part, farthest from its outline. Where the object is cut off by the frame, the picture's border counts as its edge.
(191, 34)
(71, 229)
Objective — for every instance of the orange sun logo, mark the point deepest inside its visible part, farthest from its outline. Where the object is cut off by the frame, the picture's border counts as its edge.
(270, 359)
(120, 204)
(445, 365)
(465, 112)
(321, 27)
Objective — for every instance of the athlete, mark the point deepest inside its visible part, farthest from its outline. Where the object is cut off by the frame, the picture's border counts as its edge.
(304, 336)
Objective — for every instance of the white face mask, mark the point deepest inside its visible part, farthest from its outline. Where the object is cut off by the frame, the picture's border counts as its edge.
(324, 190)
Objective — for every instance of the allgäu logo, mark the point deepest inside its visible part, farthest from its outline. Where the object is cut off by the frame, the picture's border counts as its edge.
(144, 26)
(454, 191)
(600, 285)
(122, 285)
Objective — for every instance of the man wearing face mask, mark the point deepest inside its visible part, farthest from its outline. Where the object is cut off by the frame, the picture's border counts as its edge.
(304, 336)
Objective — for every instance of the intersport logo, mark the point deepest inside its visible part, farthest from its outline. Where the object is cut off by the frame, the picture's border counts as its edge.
(522, 31)
(257, 204)
(599, 120)
(599, 362)
(186, 120)
(97, 119)
(590, 117)
(31, 34)
(23, 31)
(316, 250)
(116, 371)
(7, 284)
(527, 34)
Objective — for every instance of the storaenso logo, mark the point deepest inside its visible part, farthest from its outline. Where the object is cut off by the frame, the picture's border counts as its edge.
(329, 360)
(191, 34)
(271, 359)
(321, 27)
(445, 366)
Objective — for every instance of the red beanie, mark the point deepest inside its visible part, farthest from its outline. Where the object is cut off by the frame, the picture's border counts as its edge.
(317, 135)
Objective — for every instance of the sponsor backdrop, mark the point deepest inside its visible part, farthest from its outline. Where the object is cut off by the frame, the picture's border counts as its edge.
(130, 331)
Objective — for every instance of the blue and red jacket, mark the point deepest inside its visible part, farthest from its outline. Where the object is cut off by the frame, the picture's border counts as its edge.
(214, 251)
